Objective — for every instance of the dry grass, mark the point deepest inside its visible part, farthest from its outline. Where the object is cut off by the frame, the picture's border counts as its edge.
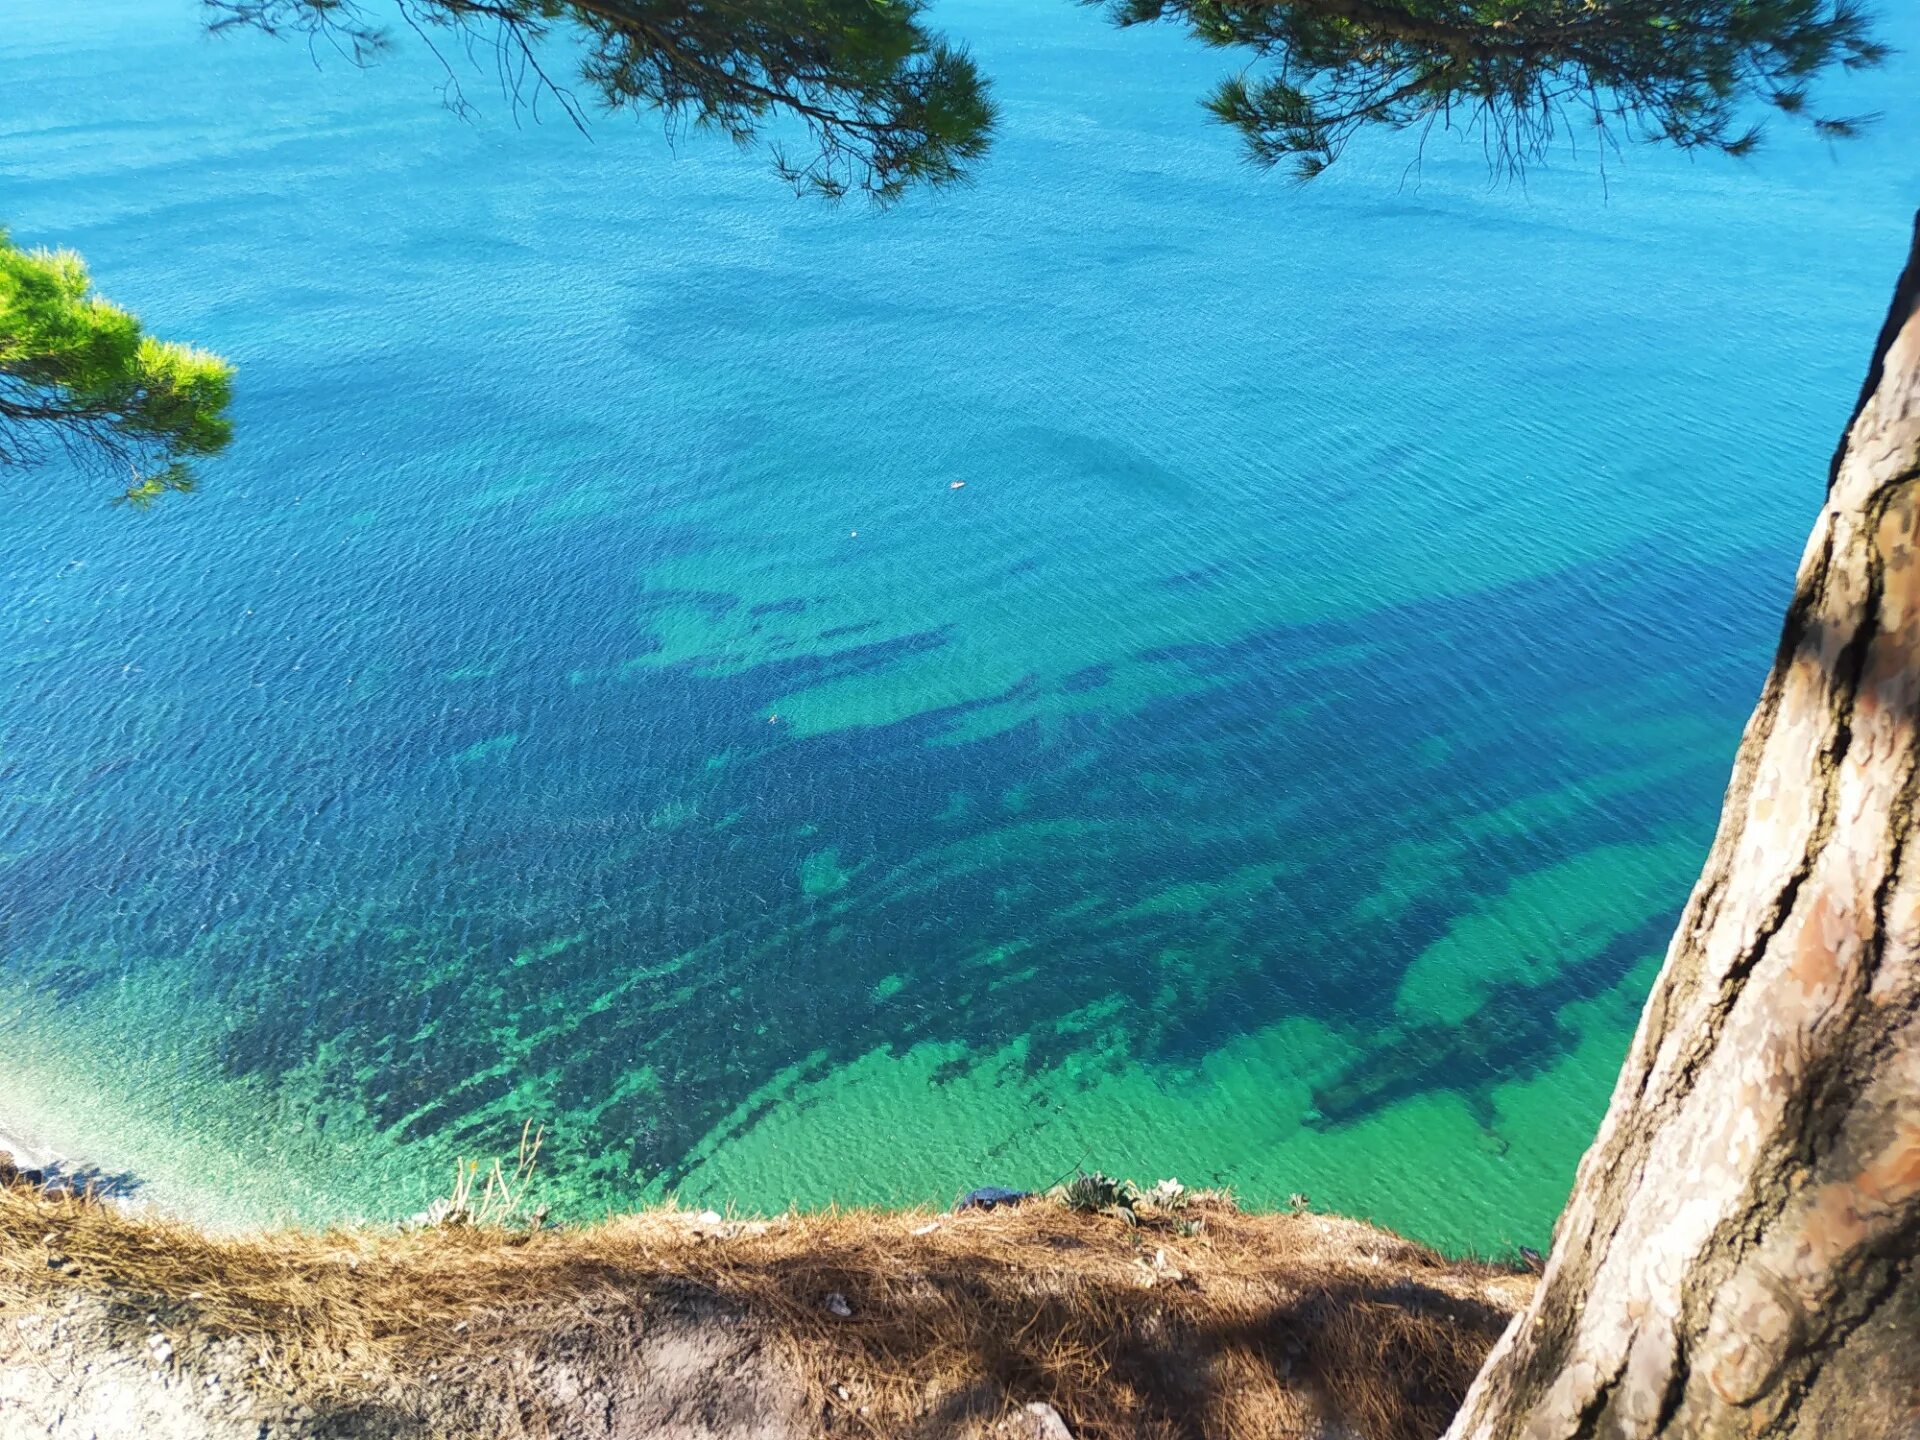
(1211, 1322)
(502, 1201)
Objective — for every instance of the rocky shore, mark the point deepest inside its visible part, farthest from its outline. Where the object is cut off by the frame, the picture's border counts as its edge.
(34, 1163)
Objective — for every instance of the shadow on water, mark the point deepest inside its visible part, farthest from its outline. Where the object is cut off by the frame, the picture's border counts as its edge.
(660, 915)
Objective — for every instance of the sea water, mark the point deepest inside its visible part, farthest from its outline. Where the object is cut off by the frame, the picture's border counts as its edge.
(583, 696)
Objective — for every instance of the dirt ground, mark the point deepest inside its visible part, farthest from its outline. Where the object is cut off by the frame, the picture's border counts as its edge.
(1027, 1323)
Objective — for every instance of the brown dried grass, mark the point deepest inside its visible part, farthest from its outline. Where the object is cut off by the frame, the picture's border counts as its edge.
(1251, 1325)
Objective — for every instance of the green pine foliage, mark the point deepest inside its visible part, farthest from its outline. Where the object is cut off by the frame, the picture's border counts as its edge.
(883, 105)
(79, 373)
(860, 95)
(847, 95)
(1523, 75)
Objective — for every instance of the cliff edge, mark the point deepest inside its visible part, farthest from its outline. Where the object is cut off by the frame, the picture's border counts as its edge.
(1191, 1319)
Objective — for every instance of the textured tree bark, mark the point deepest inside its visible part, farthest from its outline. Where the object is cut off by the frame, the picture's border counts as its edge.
(1741, 1253)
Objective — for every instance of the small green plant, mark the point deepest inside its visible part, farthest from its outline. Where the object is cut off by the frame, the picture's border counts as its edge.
(1094, 1193)
(1299, 1203)
(1098, 1194)
(1168, 1196)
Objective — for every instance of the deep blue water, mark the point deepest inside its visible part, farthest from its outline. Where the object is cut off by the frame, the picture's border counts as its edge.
(580, 696)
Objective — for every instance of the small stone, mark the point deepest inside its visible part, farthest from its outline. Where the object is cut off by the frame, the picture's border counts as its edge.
(837, 1305)
(708, 1217)
(1041, 1421)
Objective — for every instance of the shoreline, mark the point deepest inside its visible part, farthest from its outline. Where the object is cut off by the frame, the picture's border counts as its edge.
(65, 1171)
(136, 1120)
(26, 1155)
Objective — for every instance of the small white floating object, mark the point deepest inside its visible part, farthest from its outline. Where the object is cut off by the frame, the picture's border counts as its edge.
(958, 485)
(773, 719)
(853, 534)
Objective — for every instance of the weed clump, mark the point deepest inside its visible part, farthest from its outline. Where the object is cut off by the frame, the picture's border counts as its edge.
(501, 1203)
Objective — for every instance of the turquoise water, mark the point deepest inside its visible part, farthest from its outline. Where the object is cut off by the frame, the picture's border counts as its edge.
(581, 696)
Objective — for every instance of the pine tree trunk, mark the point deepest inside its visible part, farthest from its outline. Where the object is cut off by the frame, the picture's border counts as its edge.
(1741, 1254)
